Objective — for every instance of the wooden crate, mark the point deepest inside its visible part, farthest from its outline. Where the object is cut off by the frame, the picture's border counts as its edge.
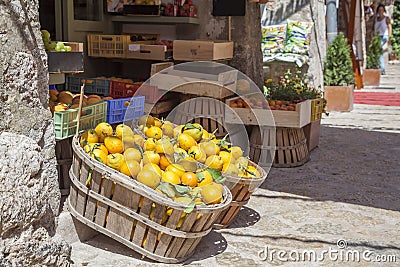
(109, 46)
(206, 50)
(64, 162)
(157, 67)
(135, 215)
(317, 108)
(241, 190)
(290, 148)
(147, 52)
(216, 82)
(312, 132)
(161, 107)
(262, 117)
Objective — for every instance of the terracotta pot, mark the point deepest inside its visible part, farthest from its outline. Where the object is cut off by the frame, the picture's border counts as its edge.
(339, 98)
(372, 77)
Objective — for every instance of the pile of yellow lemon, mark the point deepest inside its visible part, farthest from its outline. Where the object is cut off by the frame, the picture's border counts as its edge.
(167, 161)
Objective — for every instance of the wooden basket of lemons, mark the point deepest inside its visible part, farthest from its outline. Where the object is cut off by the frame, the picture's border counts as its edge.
(223, 161)
(144, 193)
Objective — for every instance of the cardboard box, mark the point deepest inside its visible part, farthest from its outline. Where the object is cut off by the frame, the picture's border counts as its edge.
(189, 50)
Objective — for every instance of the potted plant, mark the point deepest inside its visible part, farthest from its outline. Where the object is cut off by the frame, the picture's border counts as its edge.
(372, 74)
(339, 76)
(395, 40)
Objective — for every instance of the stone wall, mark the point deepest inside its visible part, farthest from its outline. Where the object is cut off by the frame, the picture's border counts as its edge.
(278, 12)
(29, 194)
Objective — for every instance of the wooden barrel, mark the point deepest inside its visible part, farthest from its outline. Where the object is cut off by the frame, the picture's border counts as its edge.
(241, 190)
(134, 214)
(290, 148)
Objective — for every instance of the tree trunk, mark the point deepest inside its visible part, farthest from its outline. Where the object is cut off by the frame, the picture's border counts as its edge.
(30, 195)
(246, 33)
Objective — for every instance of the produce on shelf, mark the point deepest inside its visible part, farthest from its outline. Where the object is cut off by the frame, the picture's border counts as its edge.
(54, 46)
(184, 163)
(61, 101)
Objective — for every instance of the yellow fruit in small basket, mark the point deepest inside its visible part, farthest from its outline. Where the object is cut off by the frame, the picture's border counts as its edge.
(149, 178)
(128, 142)
(149, 144)
(151, 157)
(206, 135)
(130, 168)
(103, 129)
(152, 167)
(252, 172)
(214, 162)
(186, 141)
(170, 177)
(168, 130)
(210, 148)
(177, 169)
(146, 120)
(189, 179)
(189, 164)
(157, 122)
(194, 130)
(132, 154)
(154, 132)
(205, 179)
(115, 161)
(196, 152)
(236, 152)
(165, 161)
(230, 169)
(99, 155)
(242, 162)
(92, 146)
(226, 157)
(211, 194)
(180, 151)
(164, 146)
(138, 140)
(123, 130)
(89, 136)
(113, 144)
(178, 130)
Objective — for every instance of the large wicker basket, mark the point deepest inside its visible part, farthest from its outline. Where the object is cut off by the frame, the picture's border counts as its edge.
(134, 214)
(241, 190)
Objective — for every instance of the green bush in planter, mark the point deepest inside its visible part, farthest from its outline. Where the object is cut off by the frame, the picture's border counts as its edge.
(374, 52)
(338, 69)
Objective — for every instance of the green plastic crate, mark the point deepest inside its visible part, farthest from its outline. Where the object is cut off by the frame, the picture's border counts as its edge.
(65, 122)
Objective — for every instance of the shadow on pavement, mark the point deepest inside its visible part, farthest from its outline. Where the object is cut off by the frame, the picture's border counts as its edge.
(350, 165)
(245, 218)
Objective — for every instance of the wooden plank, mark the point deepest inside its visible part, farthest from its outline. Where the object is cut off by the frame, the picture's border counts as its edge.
(202, 50)
(82, 196)
(141, 228)
(165, 240)
(157, 67)
(118, 222)
(293, 140)
(179, 250)
(198, 111)
(279, 136)
(152, 235)
(286, 142)
(91, 202)
(101, 213)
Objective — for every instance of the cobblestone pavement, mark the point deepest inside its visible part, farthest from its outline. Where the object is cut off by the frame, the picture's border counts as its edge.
(348, 191)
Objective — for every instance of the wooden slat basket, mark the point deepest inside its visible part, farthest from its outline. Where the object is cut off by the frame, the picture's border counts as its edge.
(241, 189)
(135, 215)
(290, 149)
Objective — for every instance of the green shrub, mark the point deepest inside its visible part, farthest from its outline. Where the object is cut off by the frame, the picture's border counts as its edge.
(374, 52)
(338, 69)
(396, 28)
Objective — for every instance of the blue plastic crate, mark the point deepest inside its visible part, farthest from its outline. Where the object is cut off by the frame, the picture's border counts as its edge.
(92, 85)
(126, 109)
